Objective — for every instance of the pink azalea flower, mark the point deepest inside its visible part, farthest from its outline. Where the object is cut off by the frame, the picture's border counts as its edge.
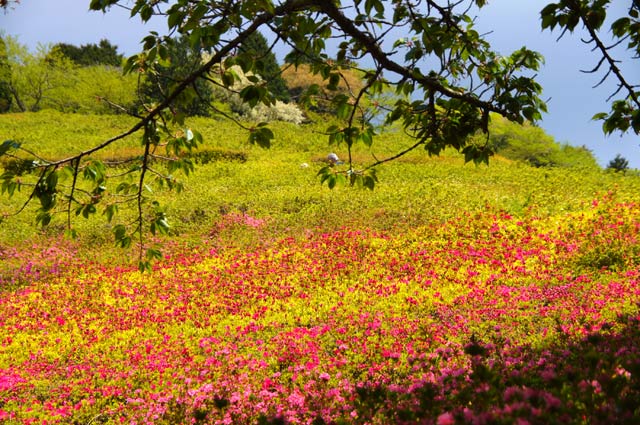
(446, 419)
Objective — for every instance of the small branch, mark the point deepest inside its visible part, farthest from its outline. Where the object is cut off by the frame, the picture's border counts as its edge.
(73, 188)
(612, 62)
(348, 27)
(145, 161)
(396, 156)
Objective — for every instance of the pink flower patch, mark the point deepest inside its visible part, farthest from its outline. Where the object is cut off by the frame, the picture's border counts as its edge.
(446, 419)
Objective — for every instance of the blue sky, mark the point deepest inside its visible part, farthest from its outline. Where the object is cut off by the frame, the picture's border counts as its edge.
(512, 24)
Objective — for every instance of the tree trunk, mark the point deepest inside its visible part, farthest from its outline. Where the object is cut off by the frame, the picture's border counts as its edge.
(19, 102)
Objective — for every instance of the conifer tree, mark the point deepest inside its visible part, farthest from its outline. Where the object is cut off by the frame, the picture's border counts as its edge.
(266, 65)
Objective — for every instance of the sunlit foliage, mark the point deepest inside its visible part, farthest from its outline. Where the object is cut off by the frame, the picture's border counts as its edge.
(482, 318)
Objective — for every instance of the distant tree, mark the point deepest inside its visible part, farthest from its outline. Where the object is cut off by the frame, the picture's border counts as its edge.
(97, 89)
(50, 79)
(5, 78)
(182, 60)
(70, 51)
(103, 53)
(36, 78)
(266, 65)
(619, 163)
(529, 143)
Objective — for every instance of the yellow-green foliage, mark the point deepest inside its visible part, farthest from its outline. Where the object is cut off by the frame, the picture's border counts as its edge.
(532, 145)
(94, 89)
(274, 184)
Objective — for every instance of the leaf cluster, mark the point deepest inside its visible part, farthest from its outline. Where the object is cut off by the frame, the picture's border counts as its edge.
(591, 14)
(103, 53)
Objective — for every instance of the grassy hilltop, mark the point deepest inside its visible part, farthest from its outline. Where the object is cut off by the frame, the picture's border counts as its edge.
(452, 293)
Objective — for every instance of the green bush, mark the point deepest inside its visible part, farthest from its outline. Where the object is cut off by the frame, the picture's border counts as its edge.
(97, 89)
(206, 156)
(530, 144)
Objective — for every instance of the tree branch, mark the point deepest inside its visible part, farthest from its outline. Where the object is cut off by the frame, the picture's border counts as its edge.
(610, 60)
(383, 59)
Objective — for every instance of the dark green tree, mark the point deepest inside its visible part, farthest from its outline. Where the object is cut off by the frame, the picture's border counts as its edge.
(103, 53)
(181, 60)
(5, 78)
(266, 65)
(619, 163)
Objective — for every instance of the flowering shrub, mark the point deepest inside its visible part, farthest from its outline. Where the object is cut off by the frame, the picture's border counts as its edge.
(278, 111)
(481, 319)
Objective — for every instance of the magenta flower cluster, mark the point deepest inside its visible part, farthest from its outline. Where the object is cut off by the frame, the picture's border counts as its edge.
(483, 319)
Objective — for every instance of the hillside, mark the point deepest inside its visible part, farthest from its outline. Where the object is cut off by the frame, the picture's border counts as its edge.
(452, 293)
(273, 185)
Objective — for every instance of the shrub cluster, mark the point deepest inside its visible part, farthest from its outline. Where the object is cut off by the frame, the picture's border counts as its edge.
(530, 144)
(278, 111)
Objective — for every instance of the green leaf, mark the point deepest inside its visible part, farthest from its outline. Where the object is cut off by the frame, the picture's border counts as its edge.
(121, 238)
(146, 12)
(175, 18)
(635, 121)
(599, 116)
(52, 180)
(228, 78)
(101, 4)
(343, 109)
(43, 218)
(8, 145)
(548, 15)
(119, 231)
(9, 185)
(160, 224)
(367, 137)
(252, 95)
(153, 254)
(88, 210)
(369, 182)
(331, 181)
(261, 136)
(144, 266)
(95, 171)
(110, 211)
(334, 81)
(620, 27)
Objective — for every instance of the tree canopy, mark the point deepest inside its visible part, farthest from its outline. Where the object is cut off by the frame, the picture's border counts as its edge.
(257, 46)
(103, 53)
(35, 80)
(181, 60)
(619, 163)
(448, 78)
(5, 76)
(50, 79)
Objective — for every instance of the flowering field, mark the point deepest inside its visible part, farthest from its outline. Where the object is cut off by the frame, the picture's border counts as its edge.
(485, 318)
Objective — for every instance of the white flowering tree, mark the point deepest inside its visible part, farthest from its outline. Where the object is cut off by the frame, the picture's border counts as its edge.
(276, 110)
